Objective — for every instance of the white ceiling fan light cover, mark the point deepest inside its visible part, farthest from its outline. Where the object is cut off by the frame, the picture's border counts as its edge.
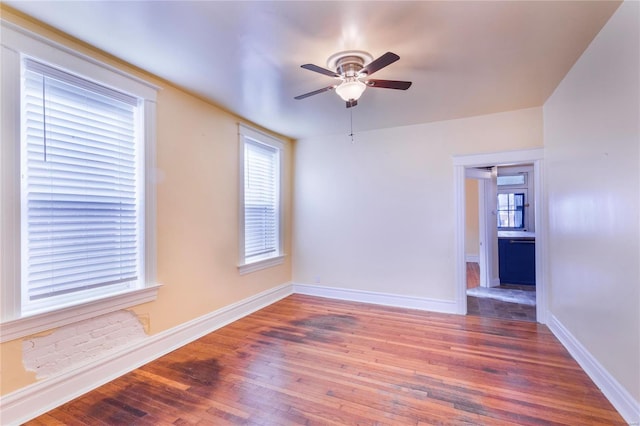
(351, 89)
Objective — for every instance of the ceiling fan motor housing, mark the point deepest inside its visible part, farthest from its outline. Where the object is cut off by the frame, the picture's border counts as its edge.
(349, 63)
(349, 66)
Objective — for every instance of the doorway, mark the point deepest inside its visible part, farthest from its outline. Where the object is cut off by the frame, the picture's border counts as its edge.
(500, 242)
(489, 250)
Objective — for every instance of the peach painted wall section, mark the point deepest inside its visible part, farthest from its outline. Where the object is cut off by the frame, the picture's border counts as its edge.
(378, 214)
(472, 221)
(592, 153)
(197, 213)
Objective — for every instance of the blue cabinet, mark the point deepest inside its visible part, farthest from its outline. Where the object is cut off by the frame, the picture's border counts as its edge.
(517, 259)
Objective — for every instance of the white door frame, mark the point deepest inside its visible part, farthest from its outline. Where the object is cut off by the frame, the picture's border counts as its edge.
(462, 162)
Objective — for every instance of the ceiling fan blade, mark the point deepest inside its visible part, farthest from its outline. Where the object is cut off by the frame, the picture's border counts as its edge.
(321, 70)
(384, 60)
(389, 84)
(315, 92)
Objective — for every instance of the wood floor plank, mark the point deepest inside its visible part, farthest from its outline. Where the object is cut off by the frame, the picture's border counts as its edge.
(314, 361)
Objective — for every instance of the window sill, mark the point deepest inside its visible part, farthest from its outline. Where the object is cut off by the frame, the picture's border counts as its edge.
(248, 268)
(25, 326)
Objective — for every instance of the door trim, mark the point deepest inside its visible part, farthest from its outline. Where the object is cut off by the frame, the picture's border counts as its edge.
(462, 162)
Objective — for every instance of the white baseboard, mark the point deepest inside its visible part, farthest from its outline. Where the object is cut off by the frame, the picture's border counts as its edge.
(626, 405)
(472, 258)
(40, 397)
(387, 299)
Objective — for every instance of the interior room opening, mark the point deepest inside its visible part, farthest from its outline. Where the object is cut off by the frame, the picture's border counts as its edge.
(500, 241)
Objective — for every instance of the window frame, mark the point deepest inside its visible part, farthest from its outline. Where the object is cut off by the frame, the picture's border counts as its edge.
(245, 266)
(18, 43)
(523, 184)
(525, 188)
(514, 192)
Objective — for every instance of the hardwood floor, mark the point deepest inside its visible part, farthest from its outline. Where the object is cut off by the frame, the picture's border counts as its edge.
(485, 307)
(473, 274)
(314, 361)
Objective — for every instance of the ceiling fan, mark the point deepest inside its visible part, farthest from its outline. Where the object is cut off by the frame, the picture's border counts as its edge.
(354, 67)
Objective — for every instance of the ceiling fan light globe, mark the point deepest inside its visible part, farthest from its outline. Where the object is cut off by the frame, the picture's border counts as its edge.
(351, 90)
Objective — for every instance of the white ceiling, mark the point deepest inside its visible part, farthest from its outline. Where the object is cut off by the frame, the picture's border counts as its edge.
(464, 58)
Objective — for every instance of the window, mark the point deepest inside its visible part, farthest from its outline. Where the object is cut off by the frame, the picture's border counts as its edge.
(511, 211)
(80, 210)
(508, 180)
(513, 205)
(77, 233)
(261, 217)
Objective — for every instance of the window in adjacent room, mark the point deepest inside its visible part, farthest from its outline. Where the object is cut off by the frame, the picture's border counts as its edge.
(261, 212)
(510, 180)
(511, 211)
(513, 204)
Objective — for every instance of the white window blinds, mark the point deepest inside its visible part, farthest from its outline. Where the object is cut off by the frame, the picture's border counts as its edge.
(261, 200)
(80, 192)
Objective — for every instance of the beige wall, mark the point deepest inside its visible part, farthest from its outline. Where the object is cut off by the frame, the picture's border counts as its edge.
(593, 189)
(472, 221)
(378, 214)
(197, 215)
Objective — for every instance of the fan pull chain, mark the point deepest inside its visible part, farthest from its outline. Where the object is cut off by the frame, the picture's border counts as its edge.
(351, 115)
